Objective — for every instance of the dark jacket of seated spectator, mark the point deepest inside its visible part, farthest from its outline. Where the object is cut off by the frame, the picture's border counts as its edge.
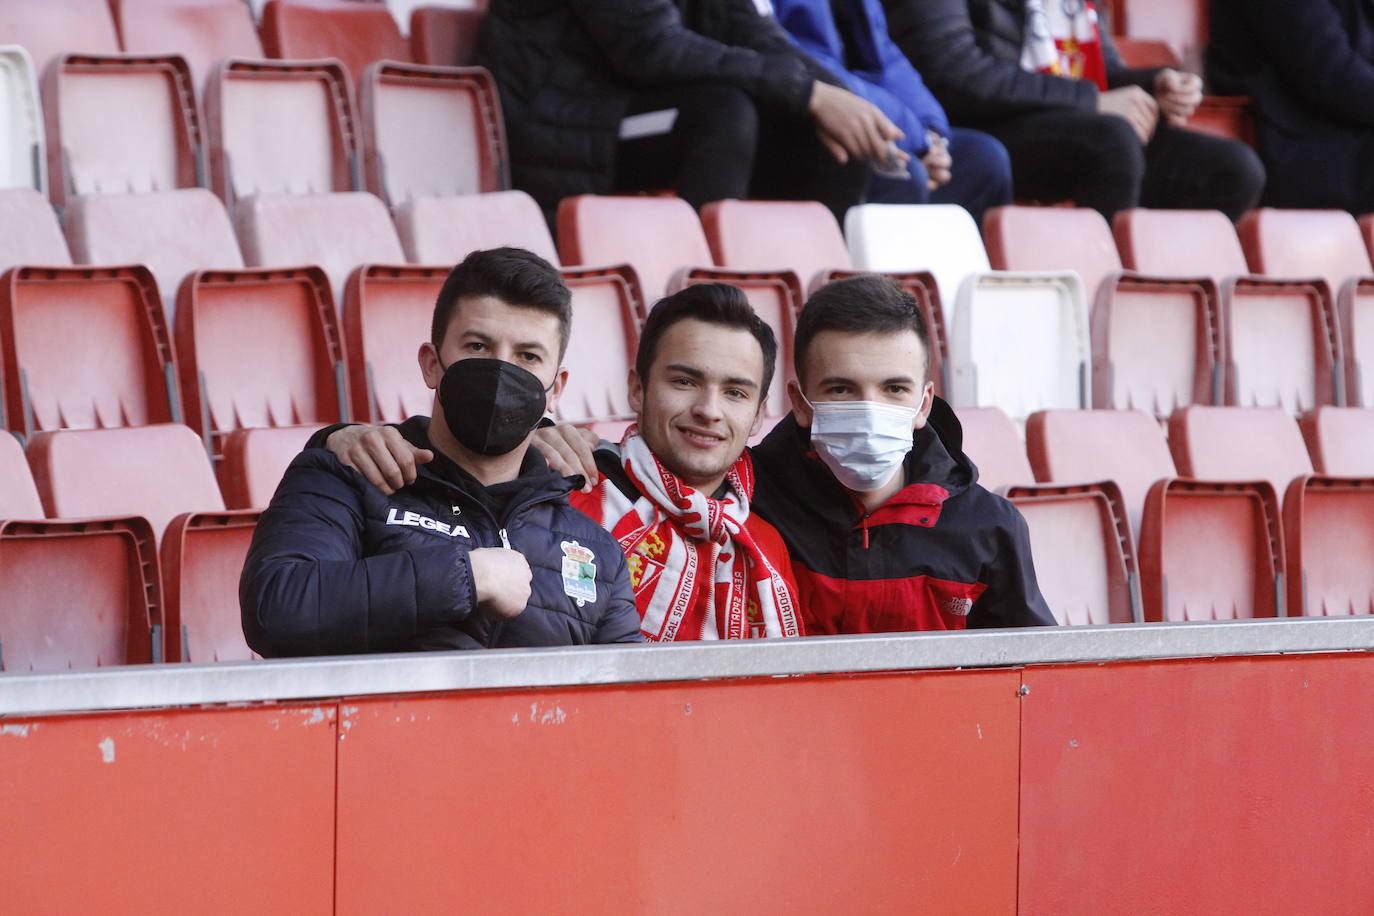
(338, 567)
(942, 554)
(571, 70)
(1309, 67)
(1063, 144)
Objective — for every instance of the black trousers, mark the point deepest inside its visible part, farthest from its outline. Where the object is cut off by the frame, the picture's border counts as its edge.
(1097, 161)
(722, 145)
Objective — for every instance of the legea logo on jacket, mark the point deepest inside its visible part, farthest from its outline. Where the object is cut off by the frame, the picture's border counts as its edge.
(415, 520)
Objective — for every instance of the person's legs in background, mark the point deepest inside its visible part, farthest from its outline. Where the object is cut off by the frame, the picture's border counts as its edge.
(1092, 159)
(791, 164)
(1188, 170)
(706, 154)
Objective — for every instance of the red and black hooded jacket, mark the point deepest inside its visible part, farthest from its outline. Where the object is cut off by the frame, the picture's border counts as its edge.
(941, 554)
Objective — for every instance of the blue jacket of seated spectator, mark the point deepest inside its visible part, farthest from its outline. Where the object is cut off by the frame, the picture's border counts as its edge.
(338, 567)
(872, 66)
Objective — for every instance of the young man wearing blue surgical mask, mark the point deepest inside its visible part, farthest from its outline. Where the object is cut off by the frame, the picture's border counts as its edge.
(481, 548)
(866, 480)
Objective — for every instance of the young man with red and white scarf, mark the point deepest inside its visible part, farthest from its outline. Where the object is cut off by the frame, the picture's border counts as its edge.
(676, 491)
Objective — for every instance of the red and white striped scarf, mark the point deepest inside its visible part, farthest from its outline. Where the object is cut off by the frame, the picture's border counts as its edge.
(697, 572)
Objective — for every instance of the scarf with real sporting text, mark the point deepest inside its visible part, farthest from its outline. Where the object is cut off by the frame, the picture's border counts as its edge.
(1062, 38)
(696, 571)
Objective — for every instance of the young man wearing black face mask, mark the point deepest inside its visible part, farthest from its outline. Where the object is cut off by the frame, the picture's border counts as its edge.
(482, 549)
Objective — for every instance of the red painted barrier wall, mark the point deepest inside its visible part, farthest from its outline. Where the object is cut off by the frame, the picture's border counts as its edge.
(1232, 785)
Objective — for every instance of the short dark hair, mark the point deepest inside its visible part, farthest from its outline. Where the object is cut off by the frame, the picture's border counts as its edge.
(513, 275)
(870, 303)
(714, 303)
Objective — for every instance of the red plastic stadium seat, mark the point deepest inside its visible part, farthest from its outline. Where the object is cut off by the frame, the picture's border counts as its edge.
(800, 236)
(1179, 243)
(1329, 529)
(657, 236)
(444, 230)
(162, 474)
(277, 127)
(172, 232)
(254, 461)
(1211, 551)
(84, 347)
(1327, 244)
(1084, 561)
(1076, 446)
(355, 33)
(202, 558)
(259, 348)
(1155, 338)
(430, 131)
(1239, 443)
(204, 32)
(23, 144)
(386, 316)
(1340, 440)
(120, 124)
(52, 27)
(18, 495)
(444, 37)
(77, 594)
(601, 350)
(29, 233)
(336, 231)
(991, 440)
(1142, 53)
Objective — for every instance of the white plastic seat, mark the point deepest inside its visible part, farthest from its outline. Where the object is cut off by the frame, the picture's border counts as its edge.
(1020, 342)
(23, 151)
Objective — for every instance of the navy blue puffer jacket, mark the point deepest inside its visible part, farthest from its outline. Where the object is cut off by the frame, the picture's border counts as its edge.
(337, 567)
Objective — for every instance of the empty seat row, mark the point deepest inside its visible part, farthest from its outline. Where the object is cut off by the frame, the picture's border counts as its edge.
(1226, 518)
(1277, 314)
(115, 547)
(111, 122)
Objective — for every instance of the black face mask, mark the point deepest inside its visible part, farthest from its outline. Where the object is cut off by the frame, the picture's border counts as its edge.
(491, 405)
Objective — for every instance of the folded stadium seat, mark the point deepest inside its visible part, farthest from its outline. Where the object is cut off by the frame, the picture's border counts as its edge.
(120, 123)
(29, 231)
(52, 27)
(1366, 223)
(1155, 338)
(1327, 244)
(254, 461)
(803, 237)
(944, 240)
(1211, 551)
(992, 441)
(1340, 440)
(279, 127)
(259, 348)
(23, 142)
(352, 32)
(204, 32)
(430, 131)
(444, 230)
(172, 232)
(1084, 559)
(1328, 521)
(84, 347)
(1125, 446)
(336, 231)
(1147, 53)
(601, 350)
(75, 594)
(1276, 341)
(202, 558)
(662, 240)
(162, 474)
(443, 36)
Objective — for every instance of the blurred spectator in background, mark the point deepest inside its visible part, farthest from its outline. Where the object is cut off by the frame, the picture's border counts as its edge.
(1309, 66)
(1042, 77)
(948, 165)
(708, 98)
